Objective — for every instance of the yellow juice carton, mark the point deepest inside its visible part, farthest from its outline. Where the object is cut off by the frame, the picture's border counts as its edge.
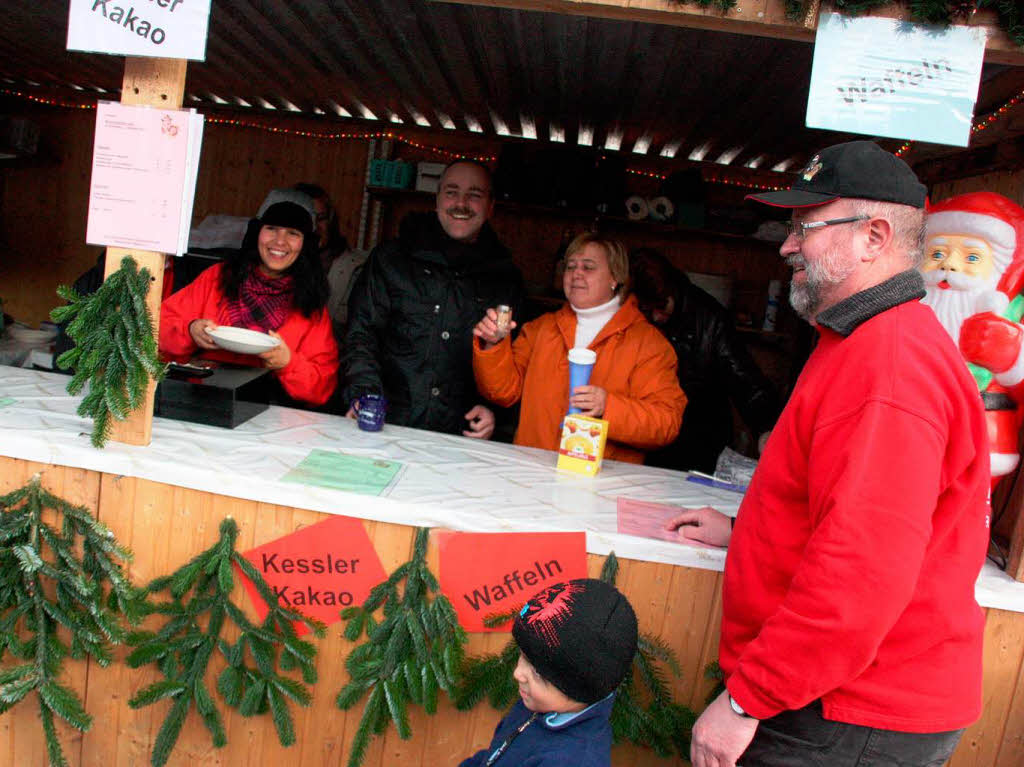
(582, 445)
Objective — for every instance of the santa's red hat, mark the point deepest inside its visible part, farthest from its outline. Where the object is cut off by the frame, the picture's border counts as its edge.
(993, 218)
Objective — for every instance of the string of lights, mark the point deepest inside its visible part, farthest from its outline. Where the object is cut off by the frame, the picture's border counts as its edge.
(379, 135)
(714, 179)
(979, 123)
(252, 124)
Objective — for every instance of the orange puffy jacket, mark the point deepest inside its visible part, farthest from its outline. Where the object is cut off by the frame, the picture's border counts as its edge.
(635, 365)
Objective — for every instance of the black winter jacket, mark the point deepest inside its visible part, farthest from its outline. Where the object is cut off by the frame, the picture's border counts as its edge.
(714, 368)
(411, 318)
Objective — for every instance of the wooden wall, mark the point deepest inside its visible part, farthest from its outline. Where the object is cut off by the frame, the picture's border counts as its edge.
(165, 526)
(1007, 183)
(43, 203)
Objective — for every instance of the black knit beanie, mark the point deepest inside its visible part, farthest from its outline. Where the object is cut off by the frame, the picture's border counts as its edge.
(580, 636)
(288, 214)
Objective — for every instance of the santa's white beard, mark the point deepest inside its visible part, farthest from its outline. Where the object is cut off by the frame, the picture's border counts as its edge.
(958, 302)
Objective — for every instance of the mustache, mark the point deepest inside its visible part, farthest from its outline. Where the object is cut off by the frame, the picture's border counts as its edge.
(456, 210)
(796, 260)
(957, 280)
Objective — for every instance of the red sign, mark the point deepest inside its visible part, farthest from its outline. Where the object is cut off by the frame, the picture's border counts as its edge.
(318, 570)
(491, 573)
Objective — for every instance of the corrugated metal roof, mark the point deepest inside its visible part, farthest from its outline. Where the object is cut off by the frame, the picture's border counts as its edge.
(635, 87)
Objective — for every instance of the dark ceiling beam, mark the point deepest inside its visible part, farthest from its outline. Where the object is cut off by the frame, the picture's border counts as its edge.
(767, 19)
(1005, 156)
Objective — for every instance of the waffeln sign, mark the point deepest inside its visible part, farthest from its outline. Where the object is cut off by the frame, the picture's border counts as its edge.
(172, 29)
(886, 77)
(318, 570)
(490, 573)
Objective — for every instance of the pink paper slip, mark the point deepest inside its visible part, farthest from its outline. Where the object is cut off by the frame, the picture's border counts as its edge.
(647, 520)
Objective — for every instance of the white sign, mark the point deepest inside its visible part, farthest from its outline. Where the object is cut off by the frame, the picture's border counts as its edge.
(171, 29)
(885, 77)
(144, 166)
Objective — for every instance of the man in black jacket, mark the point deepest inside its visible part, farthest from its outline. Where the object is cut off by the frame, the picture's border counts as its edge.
(412, 311)
(714, 365)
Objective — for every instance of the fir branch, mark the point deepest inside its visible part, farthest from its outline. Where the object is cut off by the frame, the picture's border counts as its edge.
(721, 5)
(115, 352)
(33, 553)
(407, 657)
(182, 648)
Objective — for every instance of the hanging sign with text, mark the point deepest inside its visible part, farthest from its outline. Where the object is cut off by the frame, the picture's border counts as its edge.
(491, 573)
(171, 29)
(886, 77)
(318, 570)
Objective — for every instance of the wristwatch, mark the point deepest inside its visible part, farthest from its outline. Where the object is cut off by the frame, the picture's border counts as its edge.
(736, 706)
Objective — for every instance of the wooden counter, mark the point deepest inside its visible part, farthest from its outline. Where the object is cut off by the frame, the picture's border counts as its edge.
(165, 523)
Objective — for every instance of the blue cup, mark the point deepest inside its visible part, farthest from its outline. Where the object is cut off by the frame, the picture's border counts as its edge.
(581, 362)
(371, 411)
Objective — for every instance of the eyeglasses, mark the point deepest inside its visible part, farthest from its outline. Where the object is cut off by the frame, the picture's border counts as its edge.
(799, 229)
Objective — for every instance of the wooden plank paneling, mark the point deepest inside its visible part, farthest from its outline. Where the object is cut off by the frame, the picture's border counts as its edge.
(21, 733)
(1004, 648)
(166, 526)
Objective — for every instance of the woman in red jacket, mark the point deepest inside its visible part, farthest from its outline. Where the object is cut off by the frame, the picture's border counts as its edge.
(633, 384)
(275, 285)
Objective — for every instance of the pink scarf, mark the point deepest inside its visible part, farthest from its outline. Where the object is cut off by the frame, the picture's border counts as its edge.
(263, 303)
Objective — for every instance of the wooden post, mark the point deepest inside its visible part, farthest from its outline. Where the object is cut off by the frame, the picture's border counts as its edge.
(157, 83)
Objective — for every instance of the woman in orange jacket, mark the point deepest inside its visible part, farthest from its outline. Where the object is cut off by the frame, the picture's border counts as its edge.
(633, 384)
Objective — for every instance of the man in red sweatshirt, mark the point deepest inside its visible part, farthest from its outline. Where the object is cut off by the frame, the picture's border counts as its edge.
(850, 632)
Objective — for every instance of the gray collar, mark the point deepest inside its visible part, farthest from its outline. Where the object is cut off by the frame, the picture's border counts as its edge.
(845, 316)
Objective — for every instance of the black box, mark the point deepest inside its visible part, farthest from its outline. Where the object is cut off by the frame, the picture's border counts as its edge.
(227, 397)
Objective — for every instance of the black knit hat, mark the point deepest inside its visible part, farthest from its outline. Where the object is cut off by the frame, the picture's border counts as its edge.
(580, 636)
(859, 169)
(287, 214)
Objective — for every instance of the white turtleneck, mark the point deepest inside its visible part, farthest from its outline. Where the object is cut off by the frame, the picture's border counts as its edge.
(590, 321)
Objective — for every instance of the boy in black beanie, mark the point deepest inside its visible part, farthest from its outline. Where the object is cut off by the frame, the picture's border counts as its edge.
(577, 641)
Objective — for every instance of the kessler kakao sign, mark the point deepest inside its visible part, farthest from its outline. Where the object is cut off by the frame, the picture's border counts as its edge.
(886, 77)
(490, 573)
(318, 570)
(172, 29)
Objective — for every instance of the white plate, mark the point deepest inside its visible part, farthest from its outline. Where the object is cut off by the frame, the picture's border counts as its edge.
(241, 340)
(31, 336)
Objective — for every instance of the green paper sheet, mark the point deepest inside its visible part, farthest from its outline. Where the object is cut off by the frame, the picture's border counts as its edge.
(351, 473)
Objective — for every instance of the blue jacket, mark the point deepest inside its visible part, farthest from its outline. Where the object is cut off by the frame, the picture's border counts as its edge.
(553, 740)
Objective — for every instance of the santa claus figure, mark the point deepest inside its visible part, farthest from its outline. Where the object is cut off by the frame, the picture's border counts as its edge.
(974, 273)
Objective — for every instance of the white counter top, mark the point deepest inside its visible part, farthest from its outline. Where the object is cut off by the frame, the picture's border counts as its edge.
(448, 481)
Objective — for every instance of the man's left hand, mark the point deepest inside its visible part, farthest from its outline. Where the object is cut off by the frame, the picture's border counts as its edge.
(481, 423)
(720, 735)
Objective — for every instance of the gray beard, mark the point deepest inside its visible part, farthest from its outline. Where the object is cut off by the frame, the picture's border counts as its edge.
(831, 268)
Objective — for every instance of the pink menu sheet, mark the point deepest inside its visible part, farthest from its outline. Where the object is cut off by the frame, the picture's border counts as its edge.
(143, 176)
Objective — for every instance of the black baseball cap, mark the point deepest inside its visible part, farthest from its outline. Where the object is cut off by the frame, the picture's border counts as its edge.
(859, 169)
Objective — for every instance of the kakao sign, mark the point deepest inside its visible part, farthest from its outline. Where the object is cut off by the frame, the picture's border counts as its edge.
(318, 570)
(172, 29)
